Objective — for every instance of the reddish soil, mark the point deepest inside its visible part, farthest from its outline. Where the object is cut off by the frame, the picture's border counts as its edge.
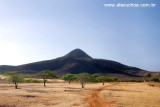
(95, 100)
(75, 104)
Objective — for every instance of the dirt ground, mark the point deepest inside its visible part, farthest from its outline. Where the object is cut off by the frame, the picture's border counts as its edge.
(61, 94)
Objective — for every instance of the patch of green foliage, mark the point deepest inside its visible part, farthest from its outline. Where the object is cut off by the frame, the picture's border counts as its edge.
(131, 80)
(32, 81)
(92, 78)
(114, 79)
(15, 78)
(28, 75)
(69, 77)
(46, 74)
(155, 79)
(83, 78)
(106, 79)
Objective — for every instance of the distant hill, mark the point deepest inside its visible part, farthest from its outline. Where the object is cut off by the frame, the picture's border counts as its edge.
(77, 61)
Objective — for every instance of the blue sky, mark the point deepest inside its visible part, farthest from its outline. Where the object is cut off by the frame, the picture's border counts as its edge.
(35, 30)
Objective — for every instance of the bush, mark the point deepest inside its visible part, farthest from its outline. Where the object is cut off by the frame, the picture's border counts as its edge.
(114, 79)
(155, 79)
(92, 78)
(27, 75)
(106, 79)
(31, 81)
(131, 80)
(111, 79)
(69, 77)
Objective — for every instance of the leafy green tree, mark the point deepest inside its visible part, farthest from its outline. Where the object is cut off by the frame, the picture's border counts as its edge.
(106, 79)
(15, 78)
(131, 80)
(92, 78)
(114, 79)
(83, 78)
(102, 79)
(46, 74)
(155, 79)
(68, 77)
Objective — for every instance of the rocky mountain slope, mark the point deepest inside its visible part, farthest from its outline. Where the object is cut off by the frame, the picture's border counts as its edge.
(77, 61)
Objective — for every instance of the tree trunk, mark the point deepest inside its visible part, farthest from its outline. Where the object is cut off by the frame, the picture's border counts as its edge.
(82, 85)
(16, 85)
(103, 82)
(69, 82)
(44, 83)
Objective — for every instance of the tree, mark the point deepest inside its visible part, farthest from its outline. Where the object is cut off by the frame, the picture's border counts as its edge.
(92, 78)
(83, 78)
(102, 79)
(106, 79)
(15, 78)
(46, 74)
(68, 77)
(114, 79)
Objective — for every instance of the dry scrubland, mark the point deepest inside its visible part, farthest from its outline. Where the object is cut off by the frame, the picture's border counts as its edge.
(61, 94)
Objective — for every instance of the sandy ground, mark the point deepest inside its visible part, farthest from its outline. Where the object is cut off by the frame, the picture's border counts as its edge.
(72, 95)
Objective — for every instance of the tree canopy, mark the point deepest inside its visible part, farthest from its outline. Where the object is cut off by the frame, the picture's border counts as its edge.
(83, 78)
(46, 74)
(69, 77)
(106, 79)
(15, 78)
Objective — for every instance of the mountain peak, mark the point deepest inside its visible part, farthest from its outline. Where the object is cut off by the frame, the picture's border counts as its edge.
(78, 53)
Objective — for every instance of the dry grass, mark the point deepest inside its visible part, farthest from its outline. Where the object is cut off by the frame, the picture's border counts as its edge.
(133, 95)
(72, 95)
(2, 77)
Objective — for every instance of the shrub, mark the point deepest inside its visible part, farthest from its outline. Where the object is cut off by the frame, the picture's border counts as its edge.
(131, 80)
(106, 79)
(31, 81)
(69, 77)
(114, 79)
(102, 79)
(155, 79)
(92, 78)
(111, 79)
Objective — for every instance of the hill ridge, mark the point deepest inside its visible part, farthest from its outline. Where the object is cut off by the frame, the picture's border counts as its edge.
(77, 61)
